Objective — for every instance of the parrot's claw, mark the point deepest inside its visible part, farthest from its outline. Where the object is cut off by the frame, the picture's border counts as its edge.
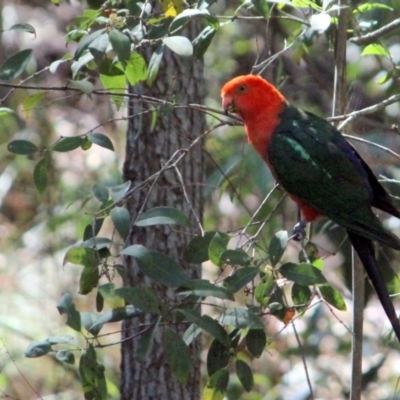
(299, 231)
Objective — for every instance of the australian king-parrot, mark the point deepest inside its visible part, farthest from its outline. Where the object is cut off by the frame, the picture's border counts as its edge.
(318, 168)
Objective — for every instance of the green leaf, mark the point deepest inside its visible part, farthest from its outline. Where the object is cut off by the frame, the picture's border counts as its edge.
(79, 64)
(6, 111)
(203, 41)
(24, 28)
(40, 175)
(365, 7)
(241, 278)
(89, 279)
(264, 289)
(121, 45)
(122, 221)
(37, 348)
(154, 64)
(218, 357)
(177, 354)
(157, 266)
(143, 298)
(277, 246)
(136, 69)
(101, 140)
(204, 288)
(85, 43)
(218, 247)
(197, 250)
(303, 274)
(333, 297)
(67, 306)
(110, 295)
(64, 339)
(92, 376)
(116, 84)
(146, 341)
(162, 216)
(301, 296)
(30, 102)
(81, 256)
(21, 147)
(15, 65)
(245, 375)
(375, 49)
(217, 386)
(84, 85)
(118, 192)
(116, 315)
(67, 144)
(100, 192)
(209, 325)
(66, 356)
(241, 318)
(98, 47)
(180, 45)
(88, 320)
(256, 340)
(235, 257)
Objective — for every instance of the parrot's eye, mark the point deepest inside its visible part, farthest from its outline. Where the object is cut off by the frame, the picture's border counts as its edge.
(242, 89)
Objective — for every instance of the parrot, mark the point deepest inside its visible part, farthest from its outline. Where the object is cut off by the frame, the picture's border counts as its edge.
(319, 169)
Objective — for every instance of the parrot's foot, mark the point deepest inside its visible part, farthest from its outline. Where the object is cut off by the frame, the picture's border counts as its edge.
(299, 231)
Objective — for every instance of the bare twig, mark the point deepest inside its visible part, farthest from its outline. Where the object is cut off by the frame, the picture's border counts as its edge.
(375, 35)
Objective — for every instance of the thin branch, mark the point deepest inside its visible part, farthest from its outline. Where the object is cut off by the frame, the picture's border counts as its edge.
(375, 35)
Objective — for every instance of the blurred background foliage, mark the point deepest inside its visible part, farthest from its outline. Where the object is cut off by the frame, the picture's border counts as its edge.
(36, 229)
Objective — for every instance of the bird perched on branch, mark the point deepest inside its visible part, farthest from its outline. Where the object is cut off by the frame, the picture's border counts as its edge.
(319, 169)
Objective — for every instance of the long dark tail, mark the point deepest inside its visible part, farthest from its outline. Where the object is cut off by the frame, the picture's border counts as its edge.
(365, 251)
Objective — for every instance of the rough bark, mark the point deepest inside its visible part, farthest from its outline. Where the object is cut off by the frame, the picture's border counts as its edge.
(148, 147)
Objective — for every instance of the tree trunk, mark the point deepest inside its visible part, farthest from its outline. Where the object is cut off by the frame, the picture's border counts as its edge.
(148, 146)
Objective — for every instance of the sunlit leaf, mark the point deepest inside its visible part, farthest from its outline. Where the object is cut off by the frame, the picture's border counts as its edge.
(6, 111)
(333, 297)
(171, 8)
(320, 22)
(203, 41)
(216, 386)
(375, 49)
(116, 315)
(98, 47)
(81, 256)
(15, 65)
(136, 69)
(118, 192)
(84, 85)
(110, 295)
(30, 102)
(180, 45)
(365, 7)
